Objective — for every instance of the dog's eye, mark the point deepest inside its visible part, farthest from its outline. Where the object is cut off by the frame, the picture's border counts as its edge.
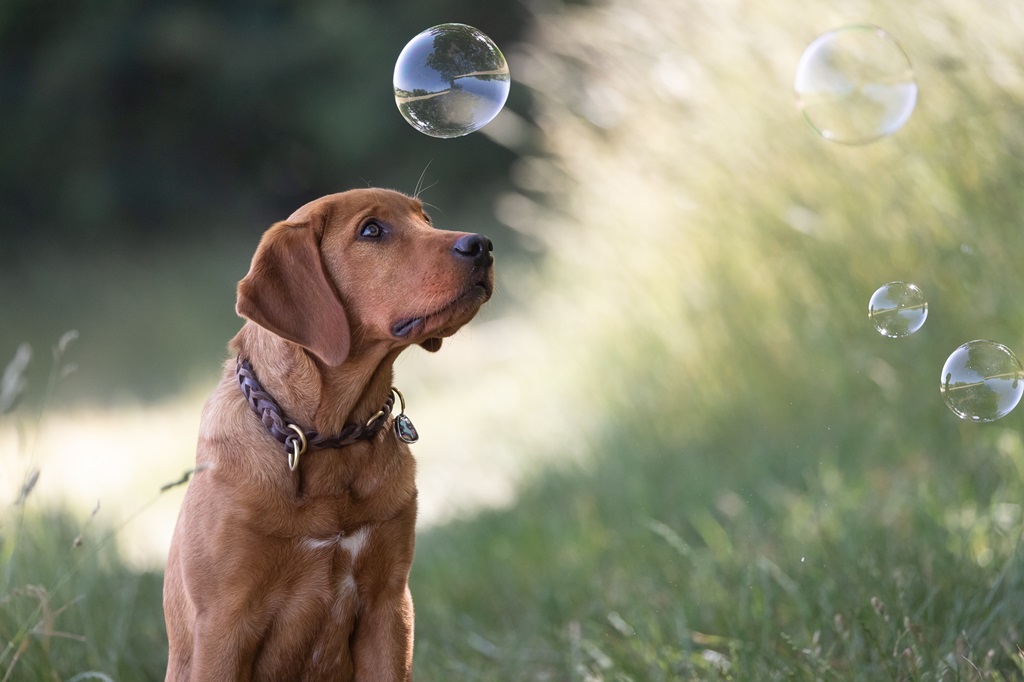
(427, 218)
(371, 230)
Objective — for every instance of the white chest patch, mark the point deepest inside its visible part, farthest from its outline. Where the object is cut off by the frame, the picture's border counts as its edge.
(314, 544)
(355, 542)
(347, 589)
(352, 543)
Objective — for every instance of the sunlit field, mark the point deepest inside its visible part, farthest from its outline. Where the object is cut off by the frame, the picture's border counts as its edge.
(675, 447)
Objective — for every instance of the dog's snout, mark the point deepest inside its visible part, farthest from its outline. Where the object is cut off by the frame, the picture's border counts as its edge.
(475, 248)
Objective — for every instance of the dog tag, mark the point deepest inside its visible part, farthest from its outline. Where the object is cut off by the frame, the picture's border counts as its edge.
(404, 429)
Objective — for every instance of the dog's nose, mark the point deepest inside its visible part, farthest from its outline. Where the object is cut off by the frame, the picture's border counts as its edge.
(475, 248)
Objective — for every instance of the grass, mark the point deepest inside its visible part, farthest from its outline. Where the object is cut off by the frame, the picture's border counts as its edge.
(663, 562)
(657, 560)
(70, 608)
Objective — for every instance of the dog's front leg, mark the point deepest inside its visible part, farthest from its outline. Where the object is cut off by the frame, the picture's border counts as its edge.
(382, 646)
(222, 650)
(222, 579)
(383, 636)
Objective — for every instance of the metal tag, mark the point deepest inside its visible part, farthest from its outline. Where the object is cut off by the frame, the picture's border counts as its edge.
(404, 429)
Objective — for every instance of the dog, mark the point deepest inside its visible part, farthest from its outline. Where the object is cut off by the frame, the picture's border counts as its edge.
(291, 554)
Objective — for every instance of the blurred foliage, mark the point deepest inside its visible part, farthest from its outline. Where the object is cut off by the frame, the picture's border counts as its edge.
(717, 256)
(145, 120)
(70, 608)
(771, 489)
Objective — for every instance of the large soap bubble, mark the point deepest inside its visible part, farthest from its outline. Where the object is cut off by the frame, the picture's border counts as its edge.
(855, 85)
(981, 381)
(450, 80)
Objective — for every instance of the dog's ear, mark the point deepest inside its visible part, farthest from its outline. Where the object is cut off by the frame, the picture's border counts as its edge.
(288, 292)
(433, 344)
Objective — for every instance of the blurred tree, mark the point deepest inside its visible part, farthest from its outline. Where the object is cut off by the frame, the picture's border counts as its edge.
(133, 120)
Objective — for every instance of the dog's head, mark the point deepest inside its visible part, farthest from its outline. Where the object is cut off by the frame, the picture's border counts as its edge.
(363, 268)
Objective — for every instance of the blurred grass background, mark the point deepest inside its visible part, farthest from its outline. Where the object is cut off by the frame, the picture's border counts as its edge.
(701, 460)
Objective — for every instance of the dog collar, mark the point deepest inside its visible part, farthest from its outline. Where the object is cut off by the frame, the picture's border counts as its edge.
(296, 439)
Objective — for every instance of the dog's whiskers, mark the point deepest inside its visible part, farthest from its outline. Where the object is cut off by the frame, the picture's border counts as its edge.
(419, 183)
(433, 208)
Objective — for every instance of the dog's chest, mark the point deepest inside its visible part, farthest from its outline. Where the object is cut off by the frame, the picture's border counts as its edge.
(335, 560)
(332, 565)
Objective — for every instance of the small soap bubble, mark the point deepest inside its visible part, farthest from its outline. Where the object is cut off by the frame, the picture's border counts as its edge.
(450, 80)
(897, 309)
(855, 85)
(981, 381)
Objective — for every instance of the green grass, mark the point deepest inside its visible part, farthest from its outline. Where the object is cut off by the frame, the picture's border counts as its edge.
(69, 606)
(667, 562)
(656, 561)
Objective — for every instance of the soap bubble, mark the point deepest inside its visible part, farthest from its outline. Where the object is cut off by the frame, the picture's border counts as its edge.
(855, 85)
(981, 381)
(450, 80)
(897, 309)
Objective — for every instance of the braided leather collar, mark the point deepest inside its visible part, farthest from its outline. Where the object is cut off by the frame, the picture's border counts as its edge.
(294, 437)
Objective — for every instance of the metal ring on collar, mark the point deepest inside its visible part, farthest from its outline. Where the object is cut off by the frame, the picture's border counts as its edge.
(401, 399)
(299, 447)
(382, 413)
(374, 418)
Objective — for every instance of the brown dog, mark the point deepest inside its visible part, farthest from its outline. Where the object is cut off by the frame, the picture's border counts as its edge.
(275, 574)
